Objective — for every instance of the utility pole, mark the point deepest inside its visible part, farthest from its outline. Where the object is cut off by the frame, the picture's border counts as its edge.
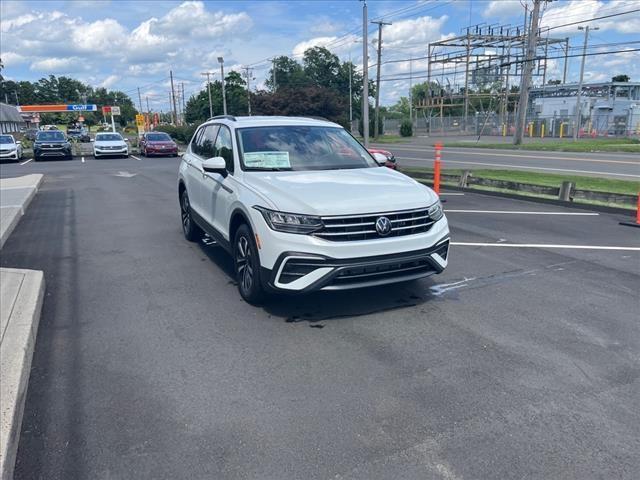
(273, 73)
(173, 100)
(224, 96)
(139, 100)
(184, 112)
(578, 105)
(248, 76)
(350, 94)
(532, 42)
(411, 90)
(466, 82)
(566, 59)
(365, 76)
(209, 90)
(377, 117)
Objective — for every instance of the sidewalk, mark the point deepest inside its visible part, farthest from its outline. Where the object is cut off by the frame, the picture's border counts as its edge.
(15, 196)
(21, 297)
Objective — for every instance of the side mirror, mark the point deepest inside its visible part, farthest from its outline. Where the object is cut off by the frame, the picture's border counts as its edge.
(18, 142)
(380, 158)
(215, 165)
(92, 139)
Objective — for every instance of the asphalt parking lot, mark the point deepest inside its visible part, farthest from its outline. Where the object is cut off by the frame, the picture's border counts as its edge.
(520, 361)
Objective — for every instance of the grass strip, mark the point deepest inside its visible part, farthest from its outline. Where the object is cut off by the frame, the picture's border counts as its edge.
(628, 145)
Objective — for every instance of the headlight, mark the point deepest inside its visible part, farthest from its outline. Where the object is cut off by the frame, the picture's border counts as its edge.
(435, 211)
(290, 222)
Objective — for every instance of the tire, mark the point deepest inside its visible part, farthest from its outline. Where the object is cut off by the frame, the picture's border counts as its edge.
(192, 232)
(247, 266)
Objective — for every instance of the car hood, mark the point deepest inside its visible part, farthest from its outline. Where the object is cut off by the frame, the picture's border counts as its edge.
(8, 146)
(110, 143)
(341, 192)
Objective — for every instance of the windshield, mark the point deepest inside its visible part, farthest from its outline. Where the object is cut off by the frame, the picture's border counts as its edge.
(300, 148)
(6, 139)
(51, 135)
(158, 137)
(108, 137)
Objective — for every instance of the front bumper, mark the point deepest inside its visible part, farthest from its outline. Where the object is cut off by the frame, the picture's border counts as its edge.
(52, 152)
(98, 152)
(161, 151)
(9, 155)
(333, 265)
(301, 272)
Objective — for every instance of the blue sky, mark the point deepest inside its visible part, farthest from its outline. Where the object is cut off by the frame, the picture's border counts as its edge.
(125, 44)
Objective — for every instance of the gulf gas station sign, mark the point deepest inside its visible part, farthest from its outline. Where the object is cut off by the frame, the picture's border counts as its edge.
(59, 108)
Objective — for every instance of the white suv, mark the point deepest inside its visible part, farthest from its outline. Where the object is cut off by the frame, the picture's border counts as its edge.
(302, 206)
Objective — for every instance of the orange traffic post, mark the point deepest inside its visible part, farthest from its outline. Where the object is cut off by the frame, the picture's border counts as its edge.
(637, 222)
(436, 168)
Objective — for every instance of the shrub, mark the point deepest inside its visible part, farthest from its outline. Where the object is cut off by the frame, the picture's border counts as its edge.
(181, 134)
(406, 128)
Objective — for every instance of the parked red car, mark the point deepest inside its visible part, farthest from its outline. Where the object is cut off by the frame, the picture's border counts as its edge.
(157, 143)
(391, 159)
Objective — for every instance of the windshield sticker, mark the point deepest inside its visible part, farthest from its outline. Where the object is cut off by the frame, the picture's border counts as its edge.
(267, 159)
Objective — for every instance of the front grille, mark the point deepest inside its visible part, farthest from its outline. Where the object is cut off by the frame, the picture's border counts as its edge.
(109, 147)
(363, 227)
(369, 273)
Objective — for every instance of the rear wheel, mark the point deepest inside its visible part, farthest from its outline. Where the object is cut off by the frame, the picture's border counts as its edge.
(247, 266)
(192, 232)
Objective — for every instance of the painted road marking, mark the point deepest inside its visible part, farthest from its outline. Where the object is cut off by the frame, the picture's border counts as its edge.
(82, 159)
(581, 214)
(24, 163)
(537, 157)
(527, 167)
(543, 245)
(133, 156)
(447, 193)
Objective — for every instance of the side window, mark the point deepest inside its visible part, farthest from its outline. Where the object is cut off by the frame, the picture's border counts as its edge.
(195, 140)
(204, 143)
(224, 147)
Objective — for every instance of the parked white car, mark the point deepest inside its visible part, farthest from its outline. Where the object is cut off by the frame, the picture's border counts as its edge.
(302, 206)
(10, 148)
(109, 144)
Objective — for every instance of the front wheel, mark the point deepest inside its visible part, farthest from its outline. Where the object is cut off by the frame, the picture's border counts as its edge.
(247, 263)
(192, 232)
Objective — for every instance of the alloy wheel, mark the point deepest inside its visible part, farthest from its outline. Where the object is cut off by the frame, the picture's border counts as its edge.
(244, 264)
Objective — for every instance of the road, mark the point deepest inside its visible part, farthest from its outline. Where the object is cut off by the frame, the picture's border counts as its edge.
(621, 166)
(517, 362)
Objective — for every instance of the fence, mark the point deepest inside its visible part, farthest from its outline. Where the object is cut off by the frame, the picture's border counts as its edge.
(599, 125)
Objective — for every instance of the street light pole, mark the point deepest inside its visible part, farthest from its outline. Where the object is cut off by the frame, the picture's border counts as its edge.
(578, 105)
(224, 97)
(365, 76)
(209, 91)
(377, 112)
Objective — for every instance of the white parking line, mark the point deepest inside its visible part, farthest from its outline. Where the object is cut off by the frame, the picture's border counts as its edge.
(82, 159)
(24, 163)
(133, 156)
(447, 193)
(543, 245)
(581, 214)
(525, 167)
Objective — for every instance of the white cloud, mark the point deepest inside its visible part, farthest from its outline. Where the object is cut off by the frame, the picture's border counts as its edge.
(338, 45)
(101, 36)
(558, 15)
(110, 81)
(55, 64)
(503, 9)
(12, 58)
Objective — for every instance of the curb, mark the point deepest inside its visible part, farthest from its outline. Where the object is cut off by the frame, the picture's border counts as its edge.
(547, 201)
(22, 295)
(10, 214)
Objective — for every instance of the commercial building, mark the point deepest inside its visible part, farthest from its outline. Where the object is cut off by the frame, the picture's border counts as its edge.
(10, 119)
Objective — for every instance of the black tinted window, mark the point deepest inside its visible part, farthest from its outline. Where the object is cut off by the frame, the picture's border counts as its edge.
(49, 136)
(224, 147)
(203, 145)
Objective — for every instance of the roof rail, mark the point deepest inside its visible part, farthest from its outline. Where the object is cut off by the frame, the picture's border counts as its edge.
(228, 117)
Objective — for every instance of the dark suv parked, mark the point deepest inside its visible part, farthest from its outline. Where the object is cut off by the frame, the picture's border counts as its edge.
(51, 144)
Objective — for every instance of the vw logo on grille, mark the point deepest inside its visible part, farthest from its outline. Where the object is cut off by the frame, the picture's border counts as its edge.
(383, 226)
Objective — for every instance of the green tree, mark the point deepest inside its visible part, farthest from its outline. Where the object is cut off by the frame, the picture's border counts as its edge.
(197, 108)
(288, 73)
(621, 78)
